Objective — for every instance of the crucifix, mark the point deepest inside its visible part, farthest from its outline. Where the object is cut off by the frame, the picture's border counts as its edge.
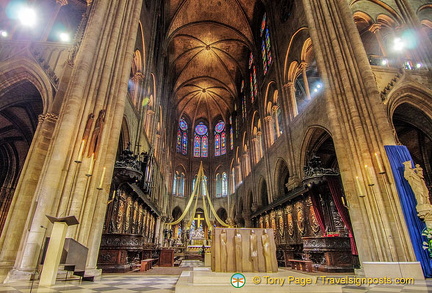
(199, 219)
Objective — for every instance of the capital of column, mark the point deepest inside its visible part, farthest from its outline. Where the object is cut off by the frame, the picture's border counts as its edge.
(268, 118)
(62, 2)
(138, 76)
(47, 116)
(303, 65)
(375, 27)
(288, 85)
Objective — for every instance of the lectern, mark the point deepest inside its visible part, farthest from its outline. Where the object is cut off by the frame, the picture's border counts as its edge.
(55, 248)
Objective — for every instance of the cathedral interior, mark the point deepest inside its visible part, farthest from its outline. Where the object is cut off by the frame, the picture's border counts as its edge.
(294, 116)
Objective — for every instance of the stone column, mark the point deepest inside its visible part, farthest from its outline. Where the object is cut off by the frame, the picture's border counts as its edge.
(375, 29)
(291, 107)
(275, 110)
(52, 18)
(270, 130)
(23, 203)
(303, 67)
(353, 101)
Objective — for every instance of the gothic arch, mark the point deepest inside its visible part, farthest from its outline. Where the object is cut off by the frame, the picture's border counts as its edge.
(318, 141)
(22, 70)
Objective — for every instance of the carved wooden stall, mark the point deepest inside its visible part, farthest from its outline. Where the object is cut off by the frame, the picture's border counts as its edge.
(313, 231)
(130, 224)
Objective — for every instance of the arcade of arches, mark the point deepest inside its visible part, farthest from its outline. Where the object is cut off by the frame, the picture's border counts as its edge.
(299, 117)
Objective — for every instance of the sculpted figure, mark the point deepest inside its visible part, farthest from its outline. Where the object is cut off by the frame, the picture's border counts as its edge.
(266, 248)
(253, 250)
(415, 178)
(97, 133)
(238, 250)
(224, 254)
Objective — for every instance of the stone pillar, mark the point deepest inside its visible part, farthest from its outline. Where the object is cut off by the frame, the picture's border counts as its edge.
(353, 101)
(52, 18)
(270, 130)
(275, 110)
(375, 29)
(22, 204)
(303, 67)
(63, 188)
(291, 107)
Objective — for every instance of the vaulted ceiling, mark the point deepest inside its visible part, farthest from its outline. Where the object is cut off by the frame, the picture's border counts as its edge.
(208, 44)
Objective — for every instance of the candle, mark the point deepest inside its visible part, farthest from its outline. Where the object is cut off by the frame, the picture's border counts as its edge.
(343, 200)
(80, 152)
(90, 170)
(369, 175)
(359, 187)
(102, 178)
(380, 166)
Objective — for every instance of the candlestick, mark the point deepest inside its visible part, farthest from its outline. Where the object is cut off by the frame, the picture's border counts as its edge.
(90, 170)
(102, 179)
(380, 166)
(80, 152)
(369, 175)
(359, 187)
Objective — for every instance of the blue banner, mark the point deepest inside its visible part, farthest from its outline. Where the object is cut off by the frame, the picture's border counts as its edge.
(397, 155)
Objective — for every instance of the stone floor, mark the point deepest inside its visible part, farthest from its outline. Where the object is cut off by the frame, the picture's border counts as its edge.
(164, 280)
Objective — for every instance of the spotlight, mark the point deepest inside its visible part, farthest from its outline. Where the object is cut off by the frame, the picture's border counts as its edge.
(398, 44)
(418, 65)
(27, 16)
(64, 37)
(384, 62)
(4, 34)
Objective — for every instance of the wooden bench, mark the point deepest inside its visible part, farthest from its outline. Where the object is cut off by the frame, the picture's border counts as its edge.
(301, 265)
(146, 264)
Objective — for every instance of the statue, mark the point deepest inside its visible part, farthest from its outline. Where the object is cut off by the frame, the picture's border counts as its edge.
(253, 250)
(97, 133)
(266, 248)
(224, 253)
(238, 250)
(415, 178)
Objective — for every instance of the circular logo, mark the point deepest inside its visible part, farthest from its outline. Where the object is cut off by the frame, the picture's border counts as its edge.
(238, 280)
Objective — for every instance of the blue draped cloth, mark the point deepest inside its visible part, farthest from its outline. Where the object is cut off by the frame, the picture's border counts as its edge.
(397, 155)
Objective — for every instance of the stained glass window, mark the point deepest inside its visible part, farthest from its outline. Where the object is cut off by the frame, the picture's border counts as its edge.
(178, 184)
(252, 79)
(220, 139)
(203, 189)
(201, 140)
(224, 184)
(231, 138)
(223, 143)
(264, 57)
(217, 144)
(184, 143)
(221, 185)
(182, 138)
(204, 147)
(197, 146)
(265, 45)
(268, 47)
(179, 146)
(174, 187)
(218, 185)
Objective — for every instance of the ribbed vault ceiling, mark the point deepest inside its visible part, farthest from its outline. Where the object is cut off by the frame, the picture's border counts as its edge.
(208, 47)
